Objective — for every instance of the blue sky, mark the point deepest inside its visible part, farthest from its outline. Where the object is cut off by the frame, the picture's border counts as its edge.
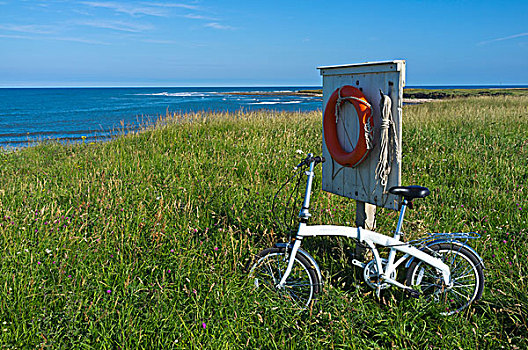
(246, 43)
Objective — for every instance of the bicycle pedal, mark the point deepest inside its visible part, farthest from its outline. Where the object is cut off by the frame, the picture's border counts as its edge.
(414, 293)
(358, 263)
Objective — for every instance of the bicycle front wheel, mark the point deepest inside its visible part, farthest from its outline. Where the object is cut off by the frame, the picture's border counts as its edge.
(467, 278)
(302, 285)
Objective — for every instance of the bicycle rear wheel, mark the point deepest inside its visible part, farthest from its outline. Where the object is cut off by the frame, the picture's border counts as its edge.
(467, 276)
(302, 285)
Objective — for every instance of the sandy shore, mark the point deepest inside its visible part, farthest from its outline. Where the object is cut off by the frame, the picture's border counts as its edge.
(415, 101)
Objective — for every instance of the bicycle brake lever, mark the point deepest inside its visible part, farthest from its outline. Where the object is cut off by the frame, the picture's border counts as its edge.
(300, 165)
(319, 159)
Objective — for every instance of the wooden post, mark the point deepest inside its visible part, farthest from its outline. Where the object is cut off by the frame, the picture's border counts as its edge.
(365, 215)
(365, 218)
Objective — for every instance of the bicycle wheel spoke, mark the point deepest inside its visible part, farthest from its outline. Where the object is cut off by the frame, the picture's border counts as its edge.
(465, 272)
(456, 293)
(458, 285)
(463, 278)
(294, 295)
(269, 270)
(293, 285)
(264, 276)
(279, 270)
(429, 274)
(428, 287)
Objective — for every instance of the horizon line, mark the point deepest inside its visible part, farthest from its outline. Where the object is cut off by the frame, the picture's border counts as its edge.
(236, 86)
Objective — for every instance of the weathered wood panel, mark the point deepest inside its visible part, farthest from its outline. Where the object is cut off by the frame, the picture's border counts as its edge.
(359, 183)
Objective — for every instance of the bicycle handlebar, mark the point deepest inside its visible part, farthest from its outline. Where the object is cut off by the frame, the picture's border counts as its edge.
(310, 158)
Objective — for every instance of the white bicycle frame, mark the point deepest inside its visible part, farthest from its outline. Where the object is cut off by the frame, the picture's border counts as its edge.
(370, 238)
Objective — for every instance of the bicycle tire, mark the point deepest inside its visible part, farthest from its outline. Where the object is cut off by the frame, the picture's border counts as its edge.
(467, 276)
(302, 286)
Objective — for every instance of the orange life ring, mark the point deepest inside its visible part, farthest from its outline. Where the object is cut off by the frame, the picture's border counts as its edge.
(364, 111)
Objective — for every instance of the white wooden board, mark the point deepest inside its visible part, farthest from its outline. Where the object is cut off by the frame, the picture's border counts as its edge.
(359, 183)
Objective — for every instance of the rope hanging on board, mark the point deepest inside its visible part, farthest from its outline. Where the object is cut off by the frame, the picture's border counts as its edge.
(389, 145)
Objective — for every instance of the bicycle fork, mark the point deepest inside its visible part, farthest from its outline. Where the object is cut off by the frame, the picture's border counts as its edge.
(304, 215)
(291, 261)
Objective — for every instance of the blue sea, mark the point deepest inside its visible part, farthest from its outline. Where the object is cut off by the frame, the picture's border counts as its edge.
(28, 115)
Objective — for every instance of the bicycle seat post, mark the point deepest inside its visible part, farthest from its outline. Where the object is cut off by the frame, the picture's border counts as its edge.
(408, 193)
(398, 232)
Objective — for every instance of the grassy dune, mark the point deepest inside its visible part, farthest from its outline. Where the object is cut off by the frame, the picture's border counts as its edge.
(458, 93)
(141, 242)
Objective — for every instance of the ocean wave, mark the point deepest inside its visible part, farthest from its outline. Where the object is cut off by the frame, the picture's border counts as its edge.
(176, 94)
(255, 92)
(275, 103)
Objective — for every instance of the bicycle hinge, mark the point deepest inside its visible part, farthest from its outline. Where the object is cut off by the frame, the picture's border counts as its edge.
(399, 233)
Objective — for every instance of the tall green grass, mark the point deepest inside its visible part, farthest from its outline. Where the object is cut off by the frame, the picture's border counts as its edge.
(141, 242)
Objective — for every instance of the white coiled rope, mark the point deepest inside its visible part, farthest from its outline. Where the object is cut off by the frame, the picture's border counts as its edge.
(389, 145)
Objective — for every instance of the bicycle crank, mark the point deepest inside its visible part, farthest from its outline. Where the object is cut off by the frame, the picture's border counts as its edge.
(372, 276)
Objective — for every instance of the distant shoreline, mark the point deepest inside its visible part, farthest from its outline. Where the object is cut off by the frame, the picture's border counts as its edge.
(410, 95)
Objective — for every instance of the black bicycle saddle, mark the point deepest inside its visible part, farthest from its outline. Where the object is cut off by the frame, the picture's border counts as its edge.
(410, 192)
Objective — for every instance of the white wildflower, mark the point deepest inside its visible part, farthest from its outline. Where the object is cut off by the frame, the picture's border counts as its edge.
(299, 151)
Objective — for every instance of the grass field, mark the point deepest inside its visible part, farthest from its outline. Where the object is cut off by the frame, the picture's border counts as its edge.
(141, 242)
(458, 93)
